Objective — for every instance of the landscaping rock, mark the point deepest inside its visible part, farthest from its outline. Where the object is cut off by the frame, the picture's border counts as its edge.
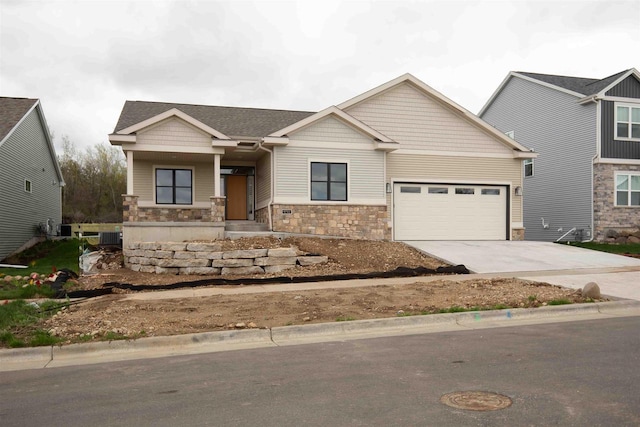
(633, 239)
(277, 268)
(204, 247)
(282, 252)
(209, 255)
(200, 270)
(275, 261)
(249, 253)
(312, 260)
(591, 290)
(254, 269)
(184, 255)
(162, 270)
(235, 262)
(170, 246)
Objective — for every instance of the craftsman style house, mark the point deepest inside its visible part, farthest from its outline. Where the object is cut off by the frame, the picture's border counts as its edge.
(30, 177)
(400, 161)
(586, 182)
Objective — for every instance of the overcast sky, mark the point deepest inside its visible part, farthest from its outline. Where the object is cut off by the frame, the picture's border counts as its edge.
(83, 59)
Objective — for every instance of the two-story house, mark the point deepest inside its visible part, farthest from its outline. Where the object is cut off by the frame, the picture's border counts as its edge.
(585, 184)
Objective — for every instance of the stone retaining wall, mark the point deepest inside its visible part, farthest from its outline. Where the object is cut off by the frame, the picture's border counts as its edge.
(208, 258)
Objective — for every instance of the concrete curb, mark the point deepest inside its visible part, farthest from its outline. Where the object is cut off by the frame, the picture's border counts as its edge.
(152, 347)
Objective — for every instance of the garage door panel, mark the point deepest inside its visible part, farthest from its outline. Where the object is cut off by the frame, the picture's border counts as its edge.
(446, 214)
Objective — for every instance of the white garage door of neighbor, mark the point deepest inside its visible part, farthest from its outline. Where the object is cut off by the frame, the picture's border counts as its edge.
(449, 212)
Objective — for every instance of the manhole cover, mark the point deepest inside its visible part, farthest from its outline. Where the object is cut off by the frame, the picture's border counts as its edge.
(476, 400)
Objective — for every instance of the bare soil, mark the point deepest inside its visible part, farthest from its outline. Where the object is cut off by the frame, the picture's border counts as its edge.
(113, 317)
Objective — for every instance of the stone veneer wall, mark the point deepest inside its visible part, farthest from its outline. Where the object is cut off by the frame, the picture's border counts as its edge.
(208, 258)
(517, 234)
(607, 216)
(354, 221)
(132, 212)
(262, 215)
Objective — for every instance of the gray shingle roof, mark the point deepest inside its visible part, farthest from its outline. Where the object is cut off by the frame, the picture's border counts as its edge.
(12, 110)
(582, 85)
(231, 121)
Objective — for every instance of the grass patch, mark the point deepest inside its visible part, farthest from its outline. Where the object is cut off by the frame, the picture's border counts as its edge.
(559, 302)
(15, 290)
(19, 324)
(45, 257)
(345, 319)
(114, 336)
(626, 248)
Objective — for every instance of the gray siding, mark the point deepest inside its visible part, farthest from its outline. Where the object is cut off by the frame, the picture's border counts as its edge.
(564, 134)
(611, 148)
(628, 88)
(25, 155)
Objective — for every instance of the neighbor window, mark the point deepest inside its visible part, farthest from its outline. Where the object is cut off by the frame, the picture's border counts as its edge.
(528, 167)
(329, 181)
(627, 189)
(27, 186)
(627, 121)
(174, 186)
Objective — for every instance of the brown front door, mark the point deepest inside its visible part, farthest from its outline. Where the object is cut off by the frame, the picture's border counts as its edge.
(236, 197)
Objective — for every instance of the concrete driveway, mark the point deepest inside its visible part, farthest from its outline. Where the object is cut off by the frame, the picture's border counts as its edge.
(558, 264)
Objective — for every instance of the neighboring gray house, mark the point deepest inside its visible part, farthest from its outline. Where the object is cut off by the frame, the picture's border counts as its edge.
(30, 177)
(586, 180)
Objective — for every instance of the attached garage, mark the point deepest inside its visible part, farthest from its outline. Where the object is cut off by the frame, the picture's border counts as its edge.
(438, 211)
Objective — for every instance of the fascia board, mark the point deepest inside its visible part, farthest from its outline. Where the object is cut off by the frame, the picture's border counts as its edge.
(173, 149)
(47, 136)
(174, 112)
(495, 94)
(116, 139)
(333, 110)
(387, 146)
(375, 91)
(272, 141)
(549, 85)
(525, 154)
(632, 71)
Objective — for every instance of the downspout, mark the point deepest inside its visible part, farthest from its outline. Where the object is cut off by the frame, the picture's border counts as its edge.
(271, 183)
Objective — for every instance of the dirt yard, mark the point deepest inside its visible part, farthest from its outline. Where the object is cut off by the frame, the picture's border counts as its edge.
(114, 317)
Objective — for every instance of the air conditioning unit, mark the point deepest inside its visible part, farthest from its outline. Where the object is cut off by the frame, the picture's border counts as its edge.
(110, 238)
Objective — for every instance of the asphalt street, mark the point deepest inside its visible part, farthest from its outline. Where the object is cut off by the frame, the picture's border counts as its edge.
(566, 374)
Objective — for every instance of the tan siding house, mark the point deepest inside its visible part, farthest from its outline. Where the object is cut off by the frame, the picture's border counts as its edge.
(400, 161)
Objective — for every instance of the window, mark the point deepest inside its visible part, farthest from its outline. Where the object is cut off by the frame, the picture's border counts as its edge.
(528, 167)
(627, 121)
(410, 190)
(490, 192)
(438, 190)
(27, 186)
(328, 181)
(173, 186)
(627, 189)
(465, 191)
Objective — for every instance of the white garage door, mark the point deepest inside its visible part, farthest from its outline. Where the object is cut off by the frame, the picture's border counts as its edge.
(449, 212)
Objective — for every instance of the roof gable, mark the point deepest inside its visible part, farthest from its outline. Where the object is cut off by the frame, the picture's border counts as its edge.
(446, 103)
(12, 112)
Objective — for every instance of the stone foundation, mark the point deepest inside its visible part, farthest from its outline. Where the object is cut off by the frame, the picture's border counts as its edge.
(517, 234)
(353, 221)
(262, 215)
(133, 212)
(209, 259)
(608, 218)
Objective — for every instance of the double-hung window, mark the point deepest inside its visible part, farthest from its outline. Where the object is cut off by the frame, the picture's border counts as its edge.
(328, 181)
(528, 167)
(174, 186)
(627, 189)
(628, 121)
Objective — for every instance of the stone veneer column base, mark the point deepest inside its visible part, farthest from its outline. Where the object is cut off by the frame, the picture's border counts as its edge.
(607, 216)
(517, 234)
(353, 221)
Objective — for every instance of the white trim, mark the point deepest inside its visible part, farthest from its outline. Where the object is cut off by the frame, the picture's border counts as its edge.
(305, 201)
(609, 161)
(517, 225)
(514, 155)
(173, 149)
(273, 141)
(631, 106)
(216, 175)
(598, 130)
(350, 120)
(618, 99)
(116, 139)
(466, 114)
(332, 145)
(324, 160)
(174, 112)
(436, 180)
(615, 188)
(129, 155)
(174, 167)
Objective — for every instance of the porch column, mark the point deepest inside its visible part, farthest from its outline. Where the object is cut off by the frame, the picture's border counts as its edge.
(216, 175)
(129, 172)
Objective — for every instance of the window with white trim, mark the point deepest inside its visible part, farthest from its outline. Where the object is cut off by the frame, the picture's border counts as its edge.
(528, 167)
(174, 186)
(628, 121)
(627, 189)
(328, 181)
(27, 186)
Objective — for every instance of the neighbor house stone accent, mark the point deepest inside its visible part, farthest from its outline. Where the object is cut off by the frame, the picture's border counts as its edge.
(607, 217)
(207, 258)
(354, 221)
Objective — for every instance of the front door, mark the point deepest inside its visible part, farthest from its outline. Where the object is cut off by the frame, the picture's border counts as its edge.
(236, 197)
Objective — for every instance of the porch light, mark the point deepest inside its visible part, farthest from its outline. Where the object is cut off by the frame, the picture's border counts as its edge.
(388, 187)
